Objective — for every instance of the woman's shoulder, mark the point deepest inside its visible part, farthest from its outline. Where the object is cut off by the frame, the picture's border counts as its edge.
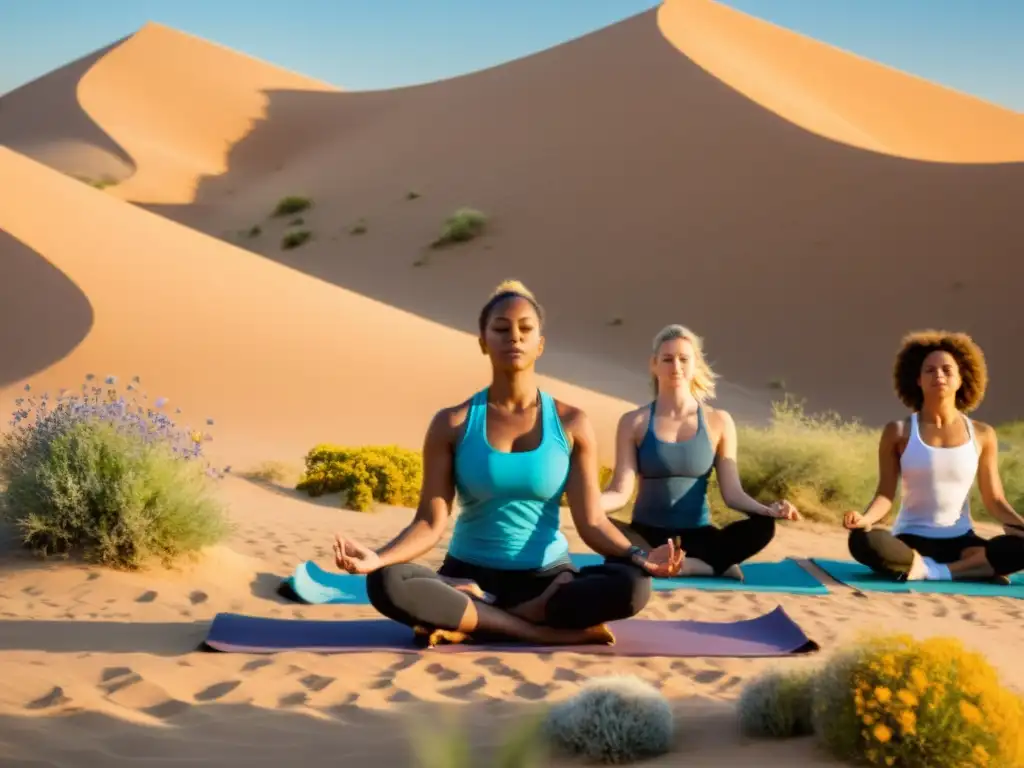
(451, 418)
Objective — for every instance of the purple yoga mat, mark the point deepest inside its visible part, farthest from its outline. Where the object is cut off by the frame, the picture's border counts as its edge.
(773, 634)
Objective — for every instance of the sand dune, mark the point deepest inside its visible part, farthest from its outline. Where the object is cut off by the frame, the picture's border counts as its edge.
(278, 359)
(839, 95)
(623, 173)
(631, 188)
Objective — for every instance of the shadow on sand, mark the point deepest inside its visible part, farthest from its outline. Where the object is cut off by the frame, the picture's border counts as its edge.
(49, 112)
(235, 735)
(43, 315)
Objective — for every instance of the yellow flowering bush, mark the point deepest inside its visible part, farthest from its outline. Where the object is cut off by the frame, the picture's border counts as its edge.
(896, 701)
(387, 474)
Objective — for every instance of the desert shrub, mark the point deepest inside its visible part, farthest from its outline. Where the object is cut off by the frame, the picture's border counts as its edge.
(463, 225)
(295, 239)
(896, 701)
(292, 204)
(387, 474)
(359, 228)
(98, 473)
(612, 720)
(448, 747)
(777, 704)
(822, 464)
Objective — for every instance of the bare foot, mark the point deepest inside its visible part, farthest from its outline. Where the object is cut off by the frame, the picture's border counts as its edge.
(428, 637)
(694, 567)
(733, 572)
(535, 610)
(597, 635)
(918, 570)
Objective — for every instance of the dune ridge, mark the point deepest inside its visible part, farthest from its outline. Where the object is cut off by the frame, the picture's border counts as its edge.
(838, 94)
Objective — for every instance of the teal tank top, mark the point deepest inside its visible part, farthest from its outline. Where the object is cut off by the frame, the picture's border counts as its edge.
(509, 516)
(674, 479)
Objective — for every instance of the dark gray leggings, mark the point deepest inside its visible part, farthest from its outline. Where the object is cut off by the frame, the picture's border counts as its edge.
(415, 595)
(892, 555)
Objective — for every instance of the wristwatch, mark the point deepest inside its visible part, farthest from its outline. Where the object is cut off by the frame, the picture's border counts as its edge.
(637, 555)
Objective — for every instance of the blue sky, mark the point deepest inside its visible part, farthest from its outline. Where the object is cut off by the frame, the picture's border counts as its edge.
(970, 45)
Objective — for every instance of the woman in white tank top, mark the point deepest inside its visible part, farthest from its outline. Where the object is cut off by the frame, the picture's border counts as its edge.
(937, 453)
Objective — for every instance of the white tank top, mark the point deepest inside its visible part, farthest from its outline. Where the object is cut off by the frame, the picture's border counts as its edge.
(936, 486)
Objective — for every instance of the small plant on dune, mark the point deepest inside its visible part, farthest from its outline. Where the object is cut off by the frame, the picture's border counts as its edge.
(777, 704)
(99, 473)
(448, 747)
(298, 221)
(359, 228)
(295, 239)
(463, 225)
(268, 472)
(292, 204)
(896, 701)
(412, 194)
(254, 231)
(387, 474)
(612, 720)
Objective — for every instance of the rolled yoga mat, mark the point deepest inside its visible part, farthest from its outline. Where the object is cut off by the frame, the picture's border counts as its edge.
(310, 583)
(860, 577)
(772, 634)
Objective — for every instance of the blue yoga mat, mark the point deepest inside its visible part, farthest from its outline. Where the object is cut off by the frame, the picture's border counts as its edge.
(861, 577)
(312, 584)
(779, 576)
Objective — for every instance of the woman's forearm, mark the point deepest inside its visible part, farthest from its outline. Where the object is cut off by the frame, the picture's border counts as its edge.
(743, 502)
(613, 500)
(1004, 513)
(414, 541)
(877, 509)
(605, 539)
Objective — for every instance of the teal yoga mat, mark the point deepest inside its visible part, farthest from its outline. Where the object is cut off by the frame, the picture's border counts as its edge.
(779, 576)
(310, 583)
(858, 576)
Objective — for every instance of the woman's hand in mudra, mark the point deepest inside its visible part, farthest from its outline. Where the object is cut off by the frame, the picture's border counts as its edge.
(353, 557)
(664, 561)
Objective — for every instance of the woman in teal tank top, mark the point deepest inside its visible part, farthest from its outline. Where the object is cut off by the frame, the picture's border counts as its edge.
(672, 445)
(508, 454)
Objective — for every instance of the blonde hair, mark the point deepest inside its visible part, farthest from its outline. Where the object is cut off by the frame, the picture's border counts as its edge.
(504, 290)
(703, 384)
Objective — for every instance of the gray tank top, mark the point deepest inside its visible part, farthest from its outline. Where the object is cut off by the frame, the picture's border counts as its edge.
(674, 478)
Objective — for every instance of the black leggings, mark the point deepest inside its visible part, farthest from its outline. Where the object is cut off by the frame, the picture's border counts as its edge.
(413, 594)
(718, 547)
(892, 555)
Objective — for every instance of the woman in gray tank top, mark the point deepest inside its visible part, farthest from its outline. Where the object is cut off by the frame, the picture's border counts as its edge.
(672, 445)
(937, 453)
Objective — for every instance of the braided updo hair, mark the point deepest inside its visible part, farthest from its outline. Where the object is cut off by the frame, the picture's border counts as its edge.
(508, 289)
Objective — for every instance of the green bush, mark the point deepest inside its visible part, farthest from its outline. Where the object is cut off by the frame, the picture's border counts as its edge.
(292, 204)
(295, 239)
(896, 701)
(386, 474)
(88, 477)
(777, 704)
(463, 225)
(448, 747)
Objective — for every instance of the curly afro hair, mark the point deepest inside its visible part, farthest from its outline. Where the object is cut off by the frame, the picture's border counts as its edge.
(916, 346)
